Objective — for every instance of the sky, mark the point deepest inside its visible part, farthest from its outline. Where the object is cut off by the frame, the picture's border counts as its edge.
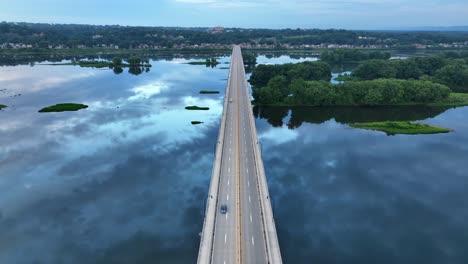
(347, 14)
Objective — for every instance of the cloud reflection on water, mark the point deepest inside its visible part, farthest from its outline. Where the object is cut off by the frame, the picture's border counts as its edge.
(91, 186)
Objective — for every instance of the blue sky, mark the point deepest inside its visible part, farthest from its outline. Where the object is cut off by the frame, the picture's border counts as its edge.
(350, 14)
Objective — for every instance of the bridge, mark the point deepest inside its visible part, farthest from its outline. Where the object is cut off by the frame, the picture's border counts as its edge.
(238, 225)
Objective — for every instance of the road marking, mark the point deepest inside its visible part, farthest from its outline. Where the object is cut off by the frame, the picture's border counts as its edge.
(227, 198)
(253, 243)
(227, 216)
(230, 149)
(229, 169)
(250, 217)
(250, 202)
(225, 238)
(248, 183)
(247, 170)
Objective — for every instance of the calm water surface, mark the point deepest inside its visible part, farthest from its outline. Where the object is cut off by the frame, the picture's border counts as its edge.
(124, 181)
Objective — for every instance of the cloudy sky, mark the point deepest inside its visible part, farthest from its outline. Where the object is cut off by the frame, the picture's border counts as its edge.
(351, 14)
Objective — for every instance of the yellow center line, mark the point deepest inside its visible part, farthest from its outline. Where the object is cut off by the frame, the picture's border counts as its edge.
(238, 200)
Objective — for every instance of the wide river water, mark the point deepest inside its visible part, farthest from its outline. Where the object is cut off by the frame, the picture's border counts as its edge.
(125, 180)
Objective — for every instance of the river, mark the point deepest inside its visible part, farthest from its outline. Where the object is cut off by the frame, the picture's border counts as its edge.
(125, 180)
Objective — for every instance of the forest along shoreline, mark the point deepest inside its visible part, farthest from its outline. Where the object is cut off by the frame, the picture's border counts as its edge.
(439, 80)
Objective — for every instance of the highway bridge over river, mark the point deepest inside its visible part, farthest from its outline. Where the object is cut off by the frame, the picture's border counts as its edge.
(239, 226)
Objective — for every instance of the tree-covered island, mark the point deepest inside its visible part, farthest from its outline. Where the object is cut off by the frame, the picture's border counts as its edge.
(415, 81)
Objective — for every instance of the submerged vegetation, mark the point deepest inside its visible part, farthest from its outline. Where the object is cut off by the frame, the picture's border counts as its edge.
(401, 127)
(209, 92)
(135, 65)
(63, 108)
(194, 107)
(213, 62)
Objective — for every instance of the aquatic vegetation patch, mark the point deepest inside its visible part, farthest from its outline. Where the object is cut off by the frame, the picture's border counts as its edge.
(63, 108)
(401, 127)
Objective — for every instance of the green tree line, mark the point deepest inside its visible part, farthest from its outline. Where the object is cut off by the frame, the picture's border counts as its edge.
(374, 92)
(312, 71)
(72, 35)
(352, 55)
(450, 69)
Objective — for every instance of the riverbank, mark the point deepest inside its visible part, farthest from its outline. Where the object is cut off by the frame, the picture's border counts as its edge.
(454, 100)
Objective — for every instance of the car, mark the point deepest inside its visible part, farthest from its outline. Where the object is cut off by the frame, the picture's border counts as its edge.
(223, 209)
(230, 100)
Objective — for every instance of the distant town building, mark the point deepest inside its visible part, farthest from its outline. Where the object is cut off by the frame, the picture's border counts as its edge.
(216, 30)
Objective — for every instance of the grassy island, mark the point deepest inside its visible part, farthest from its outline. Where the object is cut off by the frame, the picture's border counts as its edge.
(208, 62)
(2, 106)
(63, 108)
(401, 127)
(194, 107)
(209, 92)
(196, 122)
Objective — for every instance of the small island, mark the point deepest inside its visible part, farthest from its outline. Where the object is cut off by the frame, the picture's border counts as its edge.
(209, 92)
(2, 106)
(196, 122)
(213, 62)
(136, 65)
(194, 107)
(63, 108)
(401, 127)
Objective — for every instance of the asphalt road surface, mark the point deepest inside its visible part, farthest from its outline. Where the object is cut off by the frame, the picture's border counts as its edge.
(238, 233)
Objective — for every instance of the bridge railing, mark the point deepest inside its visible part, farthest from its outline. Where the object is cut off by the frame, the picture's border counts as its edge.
(209, 223)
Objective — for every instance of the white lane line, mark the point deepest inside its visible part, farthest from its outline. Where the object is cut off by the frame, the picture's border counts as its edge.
(250, 217)
(228, 182)
(227, 198)
(229, 169)
(247, 170)
(230, 149)
(250, 202)
(248, 183)
(229, 158)
(227, 216)
(225, 238)
(253, 243)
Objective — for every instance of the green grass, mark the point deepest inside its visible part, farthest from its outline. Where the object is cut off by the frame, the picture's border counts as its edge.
(401, 127)
(63, 108)
(454, 100)
(209, 92)
(2, 106)
(197, 122)
(194, 107)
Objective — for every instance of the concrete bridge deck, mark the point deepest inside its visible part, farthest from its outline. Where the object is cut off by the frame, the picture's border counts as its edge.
(246, 233)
